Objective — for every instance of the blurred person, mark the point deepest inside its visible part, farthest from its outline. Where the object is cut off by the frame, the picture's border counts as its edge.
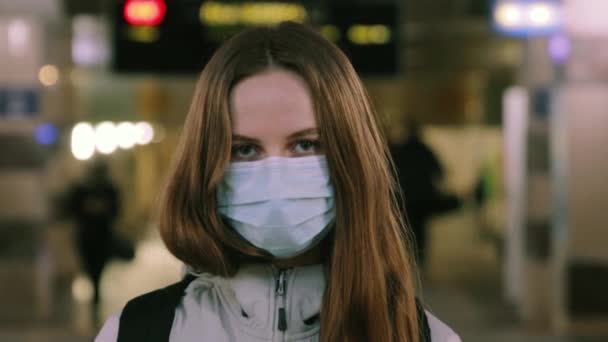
(419, 173)
(280, 203)
(94, 203)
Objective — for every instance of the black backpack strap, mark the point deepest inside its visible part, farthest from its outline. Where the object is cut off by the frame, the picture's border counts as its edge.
(149, 317)
(423, 323)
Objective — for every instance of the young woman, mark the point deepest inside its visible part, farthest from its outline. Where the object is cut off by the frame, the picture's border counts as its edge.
(283, 205)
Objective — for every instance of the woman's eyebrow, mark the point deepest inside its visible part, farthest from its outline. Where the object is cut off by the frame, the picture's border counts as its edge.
(307, 131)
(244, 138)
(303, 132)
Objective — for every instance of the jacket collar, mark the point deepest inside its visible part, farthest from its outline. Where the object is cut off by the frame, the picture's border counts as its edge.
(304, 289)
(253, 290)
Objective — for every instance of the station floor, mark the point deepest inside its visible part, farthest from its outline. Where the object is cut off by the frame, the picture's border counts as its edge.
(461, 286)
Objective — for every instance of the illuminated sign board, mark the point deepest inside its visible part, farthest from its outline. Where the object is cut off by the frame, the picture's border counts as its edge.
(179, 36)
(214, 13)
(369, 35)
(526, 18)
(144, 12)
(22, 102)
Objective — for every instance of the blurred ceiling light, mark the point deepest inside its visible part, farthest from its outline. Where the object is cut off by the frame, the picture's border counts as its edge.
(270, 13)
(18, 36)
(527, 18)
(90, 41)
(143, 34)
(145, 133)
(105, 137)
(83, 141)
(48, 75)
(509, 14)
(540, 14)
(330, 32)
(214, 13)
(369, 34)
(357, 34)
(379, 34)
(144, 12)
(250, 13)
(127, 135)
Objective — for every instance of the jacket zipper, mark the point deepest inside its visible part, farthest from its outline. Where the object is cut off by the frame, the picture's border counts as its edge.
(281, 288)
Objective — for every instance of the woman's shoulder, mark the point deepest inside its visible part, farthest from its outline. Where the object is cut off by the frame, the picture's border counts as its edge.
(440, 332)
(156, 299)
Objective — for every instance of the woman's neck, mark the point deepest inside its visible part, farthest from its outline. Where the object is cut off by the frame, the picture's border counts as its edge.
(310, 257)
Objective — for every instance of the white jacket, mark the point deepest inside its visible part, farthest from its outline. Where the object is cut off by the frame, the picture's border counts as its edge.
(246, 308)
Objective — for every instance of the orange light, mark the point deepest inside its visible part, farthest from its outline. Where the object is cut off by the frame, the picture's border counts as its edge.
(144, 12)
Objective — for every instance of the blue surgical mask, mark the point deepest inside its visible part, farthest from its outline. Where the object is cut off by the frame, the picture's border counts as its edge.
(282, 205)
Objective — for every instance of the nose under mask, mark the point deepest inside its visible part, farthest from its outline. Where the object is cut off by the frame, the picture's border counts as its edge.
(282, 205)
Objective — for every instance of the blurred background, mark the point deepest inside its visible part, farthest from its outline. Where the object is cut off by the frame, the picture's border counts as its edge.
(496, 112)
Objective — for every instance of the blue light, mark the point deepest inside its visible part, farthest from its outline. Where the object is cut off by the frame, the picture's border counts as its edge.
(46, 134)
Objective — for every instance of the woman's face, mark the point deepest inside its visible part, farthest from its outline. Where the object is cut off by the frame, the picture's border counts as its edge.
(272, 115)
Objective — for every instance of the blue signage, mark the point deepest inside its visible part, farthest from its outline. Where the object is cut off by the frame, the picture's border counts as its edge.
(526, 18)
(19, 102)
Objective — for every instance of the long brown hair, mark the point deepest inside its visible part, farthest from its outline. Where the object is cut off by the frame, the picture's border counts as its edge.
(370, 294)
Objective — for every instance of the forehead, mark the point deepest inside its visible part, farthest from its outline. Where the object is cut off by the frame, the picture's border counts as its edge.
(273, 102)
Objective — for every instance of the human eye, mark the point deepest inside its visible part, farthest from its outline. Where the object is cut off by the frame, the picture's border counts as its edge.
(244, 152)
(306, 147)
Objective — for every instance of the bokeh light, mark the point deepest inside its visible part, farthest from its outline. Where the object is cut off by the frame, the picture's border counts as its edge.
(82, 289)
(144, 12)
(541, 14)
(46, 134)
(559, 48)
(145, 133)
(330, 32)
(90, 41)
(106, 140)
(48, 75)
(127, 135)
(83, 141)
(508, 14)
(18, 36)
